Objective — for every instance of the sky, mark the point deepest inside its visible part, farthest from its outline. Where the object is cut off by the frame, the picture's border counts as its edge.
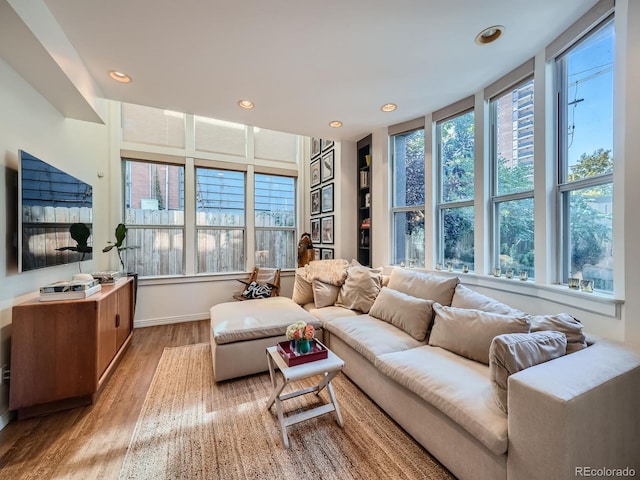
(590, 67)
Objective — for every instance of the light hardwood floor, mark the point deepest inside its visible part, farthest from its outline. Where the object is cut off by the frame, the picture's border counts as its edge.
(91, 442)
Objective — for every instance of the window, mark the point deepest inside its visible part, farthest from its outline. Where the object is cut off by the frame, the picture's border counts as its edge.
(586, 157)
(220, 220)
(455, 140)
(152, 126)
(408, 197)
(275, 221)
(154, 215)
(512, 178)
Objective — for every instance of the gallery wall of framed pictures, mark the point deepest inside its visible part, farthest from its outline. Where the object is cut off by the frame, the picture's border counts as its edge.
(321, 181)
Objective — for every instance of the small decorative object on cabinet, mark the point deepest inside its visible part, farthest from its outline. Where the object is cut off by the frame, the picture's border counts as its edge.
(364, 200)
(63, 352)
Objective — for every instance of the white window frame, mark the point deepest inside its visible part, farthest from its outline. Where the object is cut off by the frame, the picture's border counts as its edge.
(496, 199)
(440, 204)
(564, 187)
(395, 131)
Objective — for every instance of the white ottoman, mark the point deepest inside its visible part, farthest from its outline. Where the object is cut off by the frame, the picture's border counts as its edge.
(241, 331)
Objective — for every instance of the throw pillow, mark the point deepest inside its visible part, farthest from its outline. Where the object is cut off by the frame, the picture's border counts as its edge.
(423, 285)
(512, 353)
(565, 323)
(411, 314)
(333, 271)
(466, 298)
(255, 290)
(324, 294)
(469, 332)
(302, 291)
(360, 289)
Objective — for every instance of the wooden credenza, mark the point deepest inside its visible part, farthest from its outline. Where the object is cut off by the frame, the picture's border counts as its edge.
(63, 352)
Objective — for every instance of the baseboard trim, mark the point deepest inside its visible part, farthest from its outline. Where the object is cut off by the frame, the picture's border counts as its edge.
(6, 417)
(152, 322)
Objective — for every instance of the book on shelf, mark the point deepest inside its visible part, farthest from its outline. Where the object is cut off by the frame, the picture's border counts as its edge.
(364, 178)
(69, 286)
(366, 223)
(70, 294)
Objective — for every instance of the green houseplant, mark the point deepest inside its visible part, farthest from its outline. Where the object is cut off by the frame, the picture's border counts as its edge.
(119, 244)
(80, 233)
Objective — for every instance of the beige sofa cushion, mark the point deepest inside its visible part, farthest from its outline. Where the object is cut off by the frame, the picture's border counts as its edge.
(561, 322)
(302, 290)
(369, 336)
(514, 352)
(411, 314)
(466, 298)
(469, 332)
(251, 319)
(423, 285)
(324, 294)
(360, 288)
(458, 387)
(327, 314)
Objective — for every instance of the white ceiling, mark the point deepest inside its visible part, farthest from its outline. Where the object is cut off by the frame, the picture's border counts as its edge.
(305, 63)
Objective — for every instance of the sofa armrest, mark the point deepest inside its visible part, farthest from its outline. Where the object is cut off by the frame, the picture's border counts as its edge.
(577, 411)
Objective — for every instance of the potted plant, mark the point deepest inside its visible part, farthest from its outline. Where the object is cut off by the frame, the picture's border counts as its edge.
(80, 233)
(119, 245)
(121, 236)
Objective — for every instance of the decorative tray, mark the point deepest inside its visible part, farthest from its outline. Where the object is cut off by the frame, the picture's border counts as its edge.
(292, 358)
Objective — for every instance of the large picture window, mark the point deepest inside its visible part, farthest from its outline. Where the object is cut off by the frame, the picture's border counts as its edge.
(275, 221)
(408, 197)
(455, 141)
(586, 157)
(511, 117)
(220, 220)
(154, 215)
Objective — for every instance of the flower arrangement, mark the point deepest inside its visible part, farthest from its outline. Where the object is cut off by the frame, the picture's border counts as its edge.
(300, 331)
(300, 334)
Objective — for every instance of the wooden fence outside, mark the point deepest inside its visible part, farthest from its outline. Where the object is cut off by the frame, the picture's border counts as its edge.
(159, 238)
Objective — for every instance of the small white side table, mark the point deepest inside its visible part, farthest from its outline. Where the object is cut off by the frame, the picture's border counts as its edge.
(328, 368)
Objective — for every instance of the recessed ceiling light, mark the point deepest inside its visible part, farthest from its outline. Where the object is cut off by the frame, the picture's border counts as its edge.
(489, 34)
(388, 107)
(335, 124)
(119, 76)
(246, 104)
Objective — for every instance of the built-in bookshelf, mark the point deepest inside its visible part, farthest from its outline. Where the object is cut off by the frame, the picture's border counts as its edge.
(364, 200)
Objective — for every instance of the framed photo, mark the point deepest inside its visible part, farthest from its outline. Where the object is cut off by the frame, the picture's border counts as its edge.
(327, 253)
(315, 230)
(327, 166)
(315, 172)
(315, 147)
(327, 144)
(315, 201)
(316, 253)
(326, 226)
(327, 198)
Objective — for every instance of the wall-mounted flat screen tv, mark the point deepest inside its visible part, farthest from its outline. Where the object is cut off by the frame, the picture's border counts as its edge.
(50, 201)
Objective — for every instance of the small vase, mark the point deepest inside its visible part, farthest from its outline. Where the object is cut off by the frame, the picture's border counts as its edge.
(303, 346)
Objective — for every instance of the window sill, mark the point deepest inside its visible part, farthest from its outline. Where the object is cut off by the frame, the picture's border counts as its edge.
(596, 302)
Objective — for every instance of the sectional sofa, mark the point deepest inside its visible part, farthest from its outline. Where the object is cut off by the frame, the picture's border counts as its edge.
(492, 392)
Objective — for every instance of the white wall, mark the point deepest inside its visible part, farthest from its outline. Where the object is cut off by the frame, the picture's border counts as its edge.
(29, 122)
(627, 142)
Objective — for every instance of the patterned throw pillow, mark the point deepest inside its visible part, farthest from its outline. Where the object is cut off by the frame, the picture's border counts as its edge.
(254, 290)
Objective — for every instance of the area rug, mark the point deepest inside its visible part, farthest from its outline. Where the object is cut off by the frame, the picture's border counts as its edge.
(193, 428)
